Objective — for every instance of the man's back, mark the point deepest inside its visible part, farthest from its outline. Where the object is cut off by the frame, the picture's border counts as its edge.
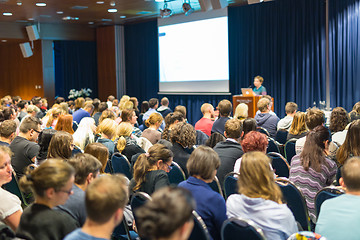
(219, 125)
(204, 125)
(267, 121)
(78, 234)
(340, 218)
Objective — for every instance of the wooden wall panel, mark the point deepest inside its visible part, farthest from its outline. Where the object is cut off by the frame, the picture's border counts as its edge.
(18, 75)
(105, 38)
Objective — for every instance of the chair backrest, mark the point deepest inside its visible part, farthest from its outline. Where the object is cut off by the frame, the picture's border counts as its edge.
(242, 229)
(137, 200)
(295, 201)
(122, 231)
(290, 149)
(176, 174)
(325, 194)
(200, 231)
(120, 164)
(279, 164)
(230, 184)
(263, 130)
(281, 136)
(273, 146)
(215, 185)
(108, 167)
(13, 187)
(306, 235)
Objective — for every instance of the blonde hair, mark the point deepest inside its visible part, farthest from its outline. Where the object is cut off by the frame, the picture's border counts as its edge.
(256, 178)
(123, 130)
(205, 107)
(298, 124)
(107, 114)
(107, 127)
(123, 100)
(263, 104)
(153, 119)
(241, 111)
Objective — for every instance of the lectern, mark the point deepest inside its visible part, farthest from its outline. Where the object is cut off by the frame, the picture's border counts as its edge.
(251, 101)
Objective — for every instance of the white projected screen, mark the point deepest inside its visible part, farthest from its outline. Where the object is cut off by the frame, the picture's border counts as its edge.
(193, 56)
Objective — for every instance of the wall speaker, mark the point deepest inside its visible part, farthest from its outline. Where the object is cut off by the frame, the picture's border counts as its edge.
(32, 32)
(26, 49)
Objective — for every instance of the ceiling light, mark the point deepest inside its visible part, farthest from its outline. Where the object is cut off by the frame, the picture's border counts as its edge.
(3, 40)
(112, 10)
(7, 14)
(187, 8)
(100, 2)
(41, 4)
(90, 22)
(112, 3)
(19, 3)
(122, 16)
(31, 19)
(159, 0)
(59, 12)
(166, 12)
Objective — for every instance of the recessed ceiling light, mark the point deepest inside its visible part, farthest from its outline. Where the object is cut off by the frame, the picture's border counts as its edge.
(7, 14)
(76, 18)
(90, 22)
(19, 3)
(100, 2)
(106, 20)
(112, 10)
(122, 16)
(3, 40)
(59, 12)
(112, 3)
(41, 4)
(31, 19)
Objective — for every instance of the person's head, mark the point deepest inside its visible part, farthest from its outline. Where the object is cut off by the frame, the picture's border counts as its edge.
(339, 119)
(207, 108)
(298, 124)
(127, 105)
(65, 123)
(258, 81)
(158, 157)
(79, 103)
(254, 141)
(203, 163)
(256, 179)
(168, 215)
(184, 134)
(5, 165)
(8, 129)
(313, 155)
(181, 109)
(129, 115)
(225, 108)
(65, 107)
(105, 199)
(89, 107)
(61, 145)
(214, 139)
(22, 104)
(51, 181)
(241, 111)
(153, 103)
(233, 128)
(155, 119)
(124, 129)
(44, 141)
(59, 100)
(16, 99)
(248, 125)
(100, 151)
(36, 101)
(102, 107)
(356, 108)
(110, 98)
(314, 117)
(144, 107)
(165, 102)
(263, 105)
(32, 110)
(107, 114)
(107, 128)
(350, 175)
(291, 108)
(351, 145)
(87, 168)
(8, 113)
(30, 126)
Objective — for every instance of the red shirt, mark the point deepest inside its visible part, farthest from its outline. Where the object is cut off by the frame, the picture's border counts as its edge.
(204, 125)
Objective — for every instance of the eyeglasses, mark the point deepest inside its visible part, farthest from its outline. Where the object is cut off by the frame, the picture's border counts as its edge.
(68, 192)
(169, 167)
(72, 145)
(37, 131)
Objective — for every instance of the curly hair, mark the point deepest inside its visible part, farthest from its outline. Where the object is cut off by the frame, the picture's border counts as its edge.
(254, 141)
(339, 119)
(184, 134)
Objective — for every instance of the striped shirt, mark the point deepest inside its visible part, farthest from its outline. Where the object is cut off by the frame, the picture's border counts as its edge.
(311, 181)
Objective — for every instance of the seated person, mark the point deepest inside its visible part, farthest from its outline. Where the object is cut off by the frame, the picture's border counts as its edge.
(61, 146)
(105, 200)
(210, 205)
(260, 198)
(167, 216)
(241, 111)
(265, 119)
(351, 145)
(107, 131)
(150, 170)
(206, 122)
(290, 110)
(7, 132)
(298, 127)
(225, 108)
(126, 143)
(153, 123)
(340, 217)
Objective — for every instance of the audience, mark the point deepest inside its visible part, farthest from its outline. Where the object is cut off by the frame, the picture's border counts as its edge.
(102, 107)
(241, 111)
(181, 109)
(266, 120)
(44, 141)
(210, 205)
(129, 116)
(164, 108)
(340, 217)
(260, 198)
(7, 132)
(225, 108)
(355, 113)
(298, 127)
(24, 145)
(171, 120)
(65, 123)
(143, 109)
(10, 207)
(206, 122)
(290, 110)
(150, 170)
(105, 200)
(83, 112)
(249, 125)
(152, 132)
(85, 133)
(101, 153)
(167, 216)
(153, 105)
(229, 150)
(214, 139)
(51, 184)
(61, 146)
(107, 131)
(126, 144)
(351, 145)
(106, 114)
(312, 170)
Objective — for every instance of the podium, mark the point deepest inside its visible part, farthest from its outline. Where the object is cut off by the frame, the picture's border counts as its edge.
(251, 101)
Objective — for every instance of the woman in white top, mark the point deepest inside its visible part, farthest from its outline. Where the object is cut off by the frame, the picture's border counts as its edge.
(259, 198)
(10, 207)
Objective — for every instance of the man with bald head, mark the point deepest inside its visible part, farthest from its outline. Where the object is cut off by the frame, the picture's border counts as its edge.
(206, 122)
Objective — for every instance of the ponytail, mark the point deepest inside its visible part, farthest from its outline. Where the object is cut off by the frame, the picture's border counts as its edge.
(121, 143)
(141, 167)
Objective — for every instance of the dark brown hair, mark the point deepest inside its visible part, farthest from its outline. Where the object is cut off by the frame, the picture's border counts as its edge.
(339, 119)
(351, 145)
(59, 146)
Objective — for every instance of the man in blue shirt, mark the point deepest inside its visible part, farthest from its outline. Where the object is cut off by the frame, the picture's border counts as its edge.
(340, 217)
